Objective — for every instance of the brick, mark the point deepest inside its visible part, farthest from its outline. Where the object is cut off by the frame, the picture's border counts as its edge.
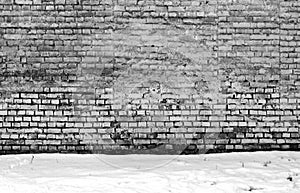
(3, 112)
(26, 2)
(12, 36)
(246, 141)
(267, 141)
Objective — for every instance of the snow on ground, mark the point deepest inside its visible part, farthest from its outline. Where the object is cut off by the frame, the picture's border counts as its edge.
(258, 172)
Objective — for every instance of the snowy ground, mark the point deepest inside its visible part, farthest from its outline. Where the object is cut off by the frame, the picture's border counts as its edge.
(258, 172)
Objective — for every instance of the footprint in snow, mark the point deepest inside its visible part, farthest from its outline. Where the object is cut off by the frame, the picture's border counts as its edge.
(20, 162)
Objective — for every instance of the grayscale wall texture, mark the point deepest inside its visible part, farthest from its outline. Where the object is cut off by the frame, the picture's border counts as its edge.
(149, 76)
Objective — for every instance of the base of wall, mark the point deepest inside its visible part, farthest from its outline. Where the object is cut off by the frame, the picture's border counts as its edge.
(178, 150)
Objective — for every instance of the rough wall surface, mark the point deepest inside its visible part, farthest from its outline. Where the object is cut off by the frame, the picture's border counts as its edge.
(149, 76)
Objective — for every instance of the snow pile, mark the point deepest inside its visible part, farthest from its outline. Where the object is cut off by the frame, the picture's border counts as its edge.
(259, 172)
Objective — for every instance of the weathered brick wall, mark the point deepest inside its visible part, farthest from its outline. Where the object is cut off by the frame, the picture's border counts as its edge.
(161, 76)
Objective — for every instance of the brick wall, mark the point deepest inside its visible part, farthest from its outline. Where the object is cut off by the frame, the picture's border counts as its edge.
(149, 76)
